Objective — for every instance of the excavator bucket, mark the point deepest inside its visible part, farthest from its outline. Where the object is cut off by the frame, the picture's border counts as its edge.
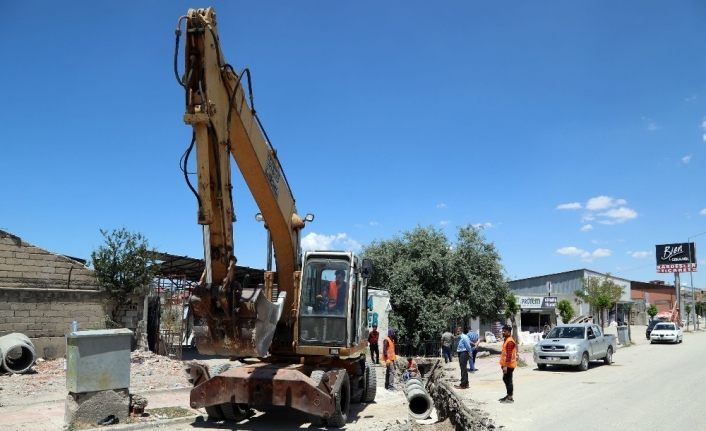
(245, 331)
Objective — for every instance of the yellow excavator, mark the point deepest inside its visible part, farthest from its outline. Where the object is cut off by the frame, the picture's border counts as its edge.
(301, 336)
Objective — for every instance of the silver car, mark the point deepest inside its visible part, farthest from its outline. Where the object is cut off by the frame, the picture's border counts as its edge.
(666, 332)
(575, 345)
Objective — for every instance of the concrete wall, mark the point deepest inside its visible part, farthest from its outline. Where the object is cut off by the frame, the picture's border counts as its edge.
(41, 293)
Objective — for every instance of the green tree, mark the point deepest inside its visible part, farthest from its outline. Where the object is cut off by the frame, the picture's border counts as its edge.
(124, 266)
(432, 282)
(687, 308)
(511, 310)
(601, 294)
(652, 311)
(566, 310)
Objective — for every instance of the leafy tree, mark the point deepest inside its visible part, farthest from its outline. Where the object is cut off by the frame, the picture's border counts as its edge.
(124, 266)
(432, 282)
(511, 310)
(601, 294)
(566, 310)
(652, 311)
(687, 308)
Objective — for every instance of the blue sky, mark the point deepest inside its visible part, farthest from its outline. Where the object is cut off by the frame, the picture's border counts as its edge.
(573, 132)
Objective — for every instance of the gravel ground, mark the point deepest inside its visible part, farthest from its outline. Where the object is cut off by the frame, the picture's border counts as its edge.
(47, 379)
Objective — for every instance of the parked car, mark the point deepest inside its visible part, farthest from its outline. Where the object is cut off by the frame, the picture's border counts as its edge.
(650, 326)
(575, 345)
(666, 332)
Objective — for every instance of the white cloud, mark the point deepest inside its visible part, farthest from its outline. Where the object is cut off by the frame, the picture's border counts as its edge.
(652, 126)
(617, 215)
(339, 241)
(703, 126)
(569, 206)
(586, 256)
(441, 205)
(601, 252)
(373, 223)
(686, 159)
(691, 98)
(703, 212)
(639, 254)
(444, 222)
(603, 202)
(570, 251)
(586, 228)
(587, 217)
(486, 225)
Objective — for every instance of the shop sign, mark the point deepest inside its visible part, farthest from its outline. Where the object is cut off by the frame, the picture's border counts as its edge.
(679, 257)
(549, 302)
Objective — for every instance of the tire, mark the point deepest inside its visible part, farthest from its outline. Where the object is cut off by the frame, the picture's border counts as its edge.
(542, 366)
(583, 366)
(317, 376)
(227, 411)
(218, 369)
(234, 412)
(608, 356)
(371, 383)
(343, 403)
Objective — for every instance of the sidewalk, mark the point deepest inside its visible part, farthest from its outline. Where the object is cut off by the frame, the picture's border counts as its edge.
(49, 415)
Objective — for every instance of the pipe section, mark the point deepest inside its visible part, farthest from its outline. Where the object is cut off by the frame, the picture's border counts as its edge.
(418, 399)
(17, 353)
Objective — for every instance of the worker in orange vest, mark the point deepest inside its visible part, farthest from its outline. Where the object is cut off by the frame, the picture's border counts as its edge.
(337, 292)
(508, 362)
(389, 356)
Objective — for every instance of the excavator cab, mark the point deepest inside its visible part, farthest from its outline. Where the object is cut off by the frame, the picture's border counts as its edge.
(332, 305)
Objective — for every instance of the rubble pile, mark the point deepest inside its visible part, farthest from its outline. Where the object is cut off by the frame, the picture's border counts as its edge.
(47, 379)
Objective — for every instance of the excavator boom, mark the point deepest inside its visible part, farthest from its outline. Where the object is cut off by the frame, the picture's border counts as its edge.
(241, 319)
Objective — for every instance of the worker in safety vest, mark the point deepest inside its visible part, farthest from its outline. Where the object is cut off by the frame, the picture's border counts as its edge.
(389, 356)
(337, 292)
(508, 362)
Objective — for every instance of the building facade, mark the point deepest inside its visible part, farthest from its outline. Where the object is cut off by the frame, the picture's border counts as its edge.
(538, 296)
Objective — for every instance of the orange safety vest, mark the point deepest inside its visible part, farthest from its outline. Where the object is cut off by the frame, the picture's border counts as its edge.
(389, 354)
(332, 294)
(503, 354)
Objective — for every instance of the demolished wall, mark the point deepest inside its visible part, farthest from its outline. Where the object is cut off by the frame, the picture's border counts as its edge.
(41, 293)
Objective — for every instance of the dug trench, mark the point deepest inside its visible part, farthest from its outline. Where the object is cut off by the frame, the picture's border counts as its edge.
(460, 413)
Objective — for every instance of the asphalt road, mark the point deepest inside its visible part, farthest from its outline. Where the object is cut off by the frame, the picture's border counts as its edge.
(648, 387)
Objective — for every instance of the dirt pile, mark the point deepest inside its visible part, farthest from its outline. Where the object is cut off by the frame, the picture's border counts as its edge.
(47, 378)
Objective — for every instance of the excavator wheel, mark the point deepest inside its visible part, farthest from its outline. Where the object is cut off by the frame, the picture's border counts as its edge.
(371, 382)
(342, 395)
(317, 376)
(227, 411)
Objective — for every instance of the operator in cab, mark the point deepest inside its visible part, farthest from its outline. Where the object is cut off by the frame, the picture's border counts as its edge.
(336, 293)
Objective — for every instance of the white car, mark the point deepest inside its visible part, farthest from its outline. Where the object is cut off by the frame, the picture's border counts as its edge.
(666, 332)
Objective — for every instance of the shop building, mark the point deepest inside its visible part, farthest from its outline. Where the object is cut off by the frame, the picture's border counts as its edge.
(538, 296)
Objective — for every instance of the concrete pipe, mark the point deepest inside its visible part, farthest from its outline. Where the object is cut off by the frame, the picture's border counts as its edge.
(418, 399)
(17, 353)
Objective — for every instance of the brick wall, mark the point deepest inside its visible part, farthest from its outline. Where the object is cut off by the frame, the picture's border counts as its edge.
(41, 293)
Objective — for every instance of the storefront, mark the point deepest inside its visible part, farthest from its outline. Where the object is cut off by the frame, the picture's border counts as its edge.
(536, 311)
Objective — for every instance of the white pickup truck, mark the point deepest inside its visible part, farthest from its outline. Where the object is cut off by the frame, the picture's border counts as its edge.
(575, 345)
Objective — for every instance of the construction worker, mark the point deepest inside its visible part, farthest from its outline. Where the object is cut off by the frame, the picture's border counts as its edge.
(508, 362)
(389, 356)
(373, 340)
(337, 292)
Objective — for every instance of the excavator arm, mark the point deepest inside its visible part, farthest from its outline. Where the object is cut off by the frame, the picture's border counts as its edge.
(241, 319)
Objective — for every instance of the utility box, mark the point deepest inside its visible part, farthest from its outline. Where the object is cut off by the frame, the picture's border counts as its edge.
(98, 360)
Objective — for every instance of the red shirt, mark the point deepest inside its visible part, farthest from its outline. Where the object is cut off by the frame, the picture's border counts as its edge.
(373, 337)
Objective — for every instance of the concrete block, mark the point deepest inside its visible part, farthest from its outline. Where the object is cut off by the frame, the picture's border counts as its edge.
(84, 409)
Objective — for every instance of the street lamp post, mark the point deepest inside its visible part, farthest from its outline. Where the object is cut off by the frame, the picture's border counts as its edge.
(691, 279)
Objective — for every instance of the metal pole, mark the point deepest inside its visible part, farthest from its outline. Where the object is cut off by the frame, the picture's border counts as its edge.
(677, 286)
(691, 281)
